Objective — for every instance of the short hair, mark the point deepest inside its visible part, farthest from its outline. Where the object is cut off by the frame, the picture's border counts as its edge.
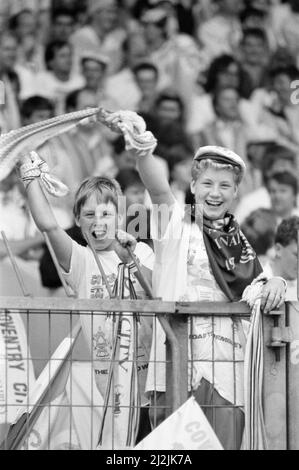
(106, 189)
(168, 95)
(51, 49)
(251, 11)
(218, 65)
(62, 12)
(198, 167)
(35, 103)
(287, 231)
(256, 32)
(286, 178)
(274, 152)
(14, 20)
(259, 229)
(128, 177)
(71, 100)
(146, 66)
(289, 70)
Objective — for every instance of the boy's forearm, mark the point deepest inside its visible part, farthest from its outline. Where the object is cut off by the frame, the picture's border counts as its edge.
(154, 180)
(40, 208)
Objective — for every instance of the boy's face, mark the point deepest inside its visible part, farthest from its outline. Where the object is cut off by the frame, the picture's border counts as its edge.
(100, 221)
(215, 190)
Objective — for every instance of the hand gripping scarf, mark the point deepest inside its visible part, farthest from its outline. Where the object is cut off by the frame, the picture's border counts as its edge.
(232, 259)
(120, 420)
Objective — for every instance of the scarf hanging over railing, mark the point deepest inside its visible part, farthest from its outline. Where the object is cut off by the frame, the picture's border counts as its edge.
(255, 437)
(122, 401)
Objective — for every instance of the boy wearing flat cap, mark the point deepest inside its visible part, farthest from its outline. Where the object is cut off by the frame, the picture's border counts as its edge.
(204, 257)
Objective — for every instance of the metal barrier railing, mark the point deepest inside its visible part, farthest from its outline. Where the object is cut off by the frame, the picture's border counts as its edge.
(48, 320)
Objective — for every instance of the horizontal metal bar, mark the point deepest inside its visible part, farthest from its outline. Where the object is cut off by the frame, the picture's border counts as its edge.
(115, 305)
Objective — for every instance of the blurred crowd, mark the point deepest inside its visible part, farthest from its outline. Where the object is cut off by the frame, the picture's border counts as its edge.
(200, 72)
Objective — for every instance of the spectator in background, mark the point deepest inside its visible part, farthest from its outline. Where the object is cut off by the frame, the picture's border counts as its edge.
(63, 24)
(57, 82)
(286, 26)
(94, 69)
(146, 76)
(176, 57)
(24, 27)
(284, 261)
(259, 228)
(102, 33)
(254, 60)
(277, 116)
(36, 109)
(9, 112)
(283, 191)
(228, 130)
(222, 33)
(275, 159)
(122, 86)
(167, 123)
(223, 72)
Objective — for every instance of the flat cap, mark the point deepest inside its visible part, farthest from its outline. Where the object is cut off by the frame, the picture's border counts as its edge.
(220, 155)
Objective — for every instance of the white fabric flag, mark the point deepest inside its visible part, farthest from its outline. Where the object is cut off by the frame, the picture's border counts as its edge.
(186, 429)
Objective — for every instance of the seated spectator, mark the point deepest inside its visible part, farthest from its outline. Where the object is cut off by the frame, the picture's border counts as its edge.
(283, 191)
(254, 60)
(177, 56)
(259, 17)
(122, 85)
(284, 261)
(277, 117)
(223, 72)
(9, 112)
(35, 109)
(167, 122)
(102, 33)
(228, 129)
(57, 82)
(285, 24)
(24, 27)
(62, 25)
(94, 70)
(146, 76)
(275, 159)
(259, 228)
(222, 33)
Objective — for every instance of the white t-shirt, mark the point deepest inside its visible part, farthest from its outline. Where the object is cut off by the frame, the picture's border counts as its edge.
(190, 262)
(84, 277)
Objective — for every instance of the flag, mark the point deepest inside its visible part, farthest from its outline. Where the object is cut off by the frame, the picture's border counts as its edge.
(186, 429)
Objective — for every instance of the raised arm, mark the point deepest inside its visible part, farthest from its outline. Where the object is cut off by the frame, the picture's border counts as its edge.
(45, 221)
(154, 179)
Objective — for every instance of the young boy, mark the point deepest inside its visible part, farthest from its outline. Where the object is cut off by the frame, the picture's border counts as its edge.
(206, 260)
(96, 213)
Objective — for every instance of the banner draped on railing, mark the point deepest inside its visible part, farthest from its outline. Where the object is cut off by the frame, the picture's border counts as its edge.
(122, 400)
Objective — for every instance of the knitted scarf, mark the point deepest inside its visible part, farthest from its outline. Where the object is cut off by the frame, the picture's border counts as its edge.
(232, 259)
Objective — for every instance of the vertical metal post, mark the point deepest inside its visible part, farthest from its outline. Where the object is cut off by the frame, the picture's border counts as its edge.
(177, 365)
(274, 389)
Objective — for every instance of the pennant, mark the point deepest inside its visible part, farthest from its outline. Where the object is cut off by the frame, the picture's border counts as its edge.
(186, 429)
